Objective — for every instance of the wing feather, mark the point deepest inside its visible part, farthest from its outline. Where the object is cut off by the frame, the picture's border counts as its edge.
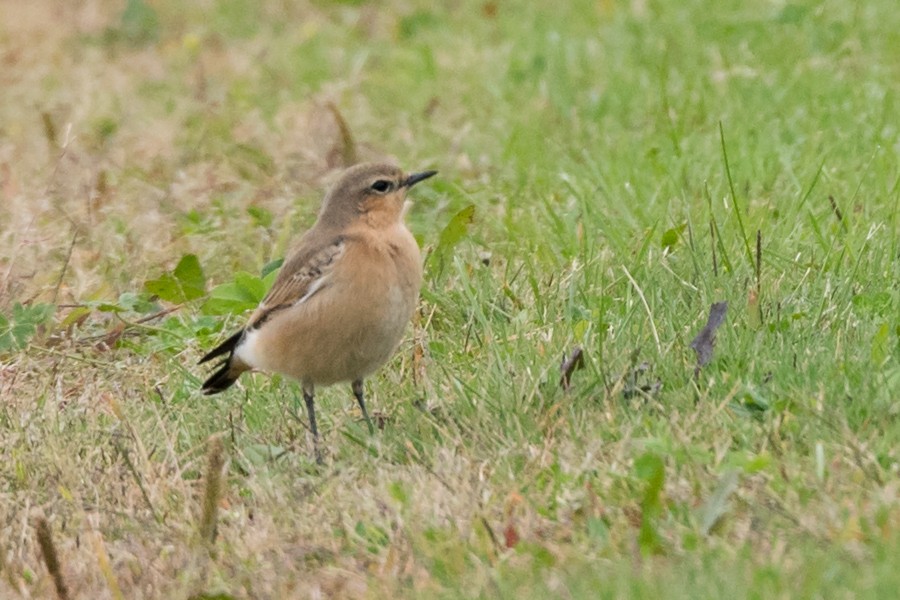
(302, 276)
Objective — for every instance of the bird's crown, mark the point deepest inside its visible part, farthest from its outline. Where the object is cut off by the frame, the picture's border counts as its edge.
(366, 186)
(364, 180)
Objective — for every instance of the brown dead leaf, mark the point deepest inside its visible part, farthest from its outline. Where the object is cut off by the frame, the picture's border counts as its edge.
(510, 535)
(569, 365)
(111, 338)
(380, 419)
(343, 153)
(705, 341)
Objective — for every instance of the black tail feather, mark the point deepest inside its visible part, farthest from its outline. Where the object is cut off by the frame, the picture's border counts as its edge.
(222, 379)
(226, 372)
(227, 346)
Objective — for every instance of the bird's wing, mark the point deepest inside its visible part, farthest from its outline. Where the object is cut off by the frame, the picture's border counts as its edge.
(302, 276)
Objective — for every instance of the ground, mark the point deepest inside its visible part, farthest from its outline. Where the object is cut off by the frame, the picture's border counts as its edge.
(608, 171)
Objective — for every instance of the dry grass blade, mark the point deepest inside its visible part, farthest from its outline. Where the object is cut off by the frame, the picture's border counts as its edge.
(123, 452)
(160, 131)
(106, 568)
(51, 559)
(7, 571)
(705, 341)
(758, 260)
(716, 506)
(213, 491)
(49, 128)
(834, 208)
(345, 147)
(65, 267)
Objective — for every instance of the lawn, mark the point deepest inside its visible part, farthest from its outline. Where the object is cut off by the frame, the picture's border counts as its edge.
(609, 170)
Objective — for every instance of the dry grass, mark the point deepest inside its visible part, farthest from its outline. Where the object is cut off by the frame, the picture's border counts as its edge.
(119, 155)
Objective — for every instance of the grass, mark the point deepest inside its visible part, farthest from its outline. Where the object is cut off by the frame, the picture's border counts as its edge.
(605, 170)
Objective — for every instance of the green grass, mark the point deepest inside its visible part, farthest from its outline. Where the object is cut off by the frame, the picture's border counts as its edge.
(621, 158)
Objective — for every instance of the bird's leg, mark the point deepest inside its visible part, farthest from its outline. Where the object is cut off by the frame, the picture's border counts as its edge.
(358, 392)
(309, 398)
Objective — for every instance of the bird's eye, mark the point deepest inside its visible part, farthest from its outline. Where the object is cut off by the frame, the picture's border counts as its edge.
(381, 186)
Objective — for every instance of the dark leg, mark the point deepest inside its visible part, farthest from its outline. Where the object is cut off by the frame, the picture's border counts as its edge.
(358, 392)
(309, 398)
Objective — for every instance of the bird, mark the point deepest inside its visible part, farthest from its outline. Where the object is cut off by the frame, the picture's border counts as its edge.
(340, 303)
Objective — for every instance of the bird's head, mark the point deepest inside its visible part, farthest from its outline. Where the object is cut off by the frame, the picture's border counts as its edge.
(374, 191)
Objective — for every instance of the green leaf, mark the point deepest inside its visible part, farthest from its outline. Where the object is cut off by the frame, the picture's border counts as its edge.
(165, 288)
(137, 302)
(880, 351)
(39, 314)
(18, 329)
(226, 299)
(451, 235)
(651, 469)
(671, 237)
(752, 400)
(74, 316)
(268, 279)
(185, 283)
(190, 275)
(245, 292)
(232, 292)
(261, 217)
(271, 267)
(253, 287)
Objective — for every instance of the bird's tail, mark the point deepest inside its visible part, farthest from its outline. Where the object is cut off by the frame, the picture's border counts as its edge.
(222, 379)
(228, 370)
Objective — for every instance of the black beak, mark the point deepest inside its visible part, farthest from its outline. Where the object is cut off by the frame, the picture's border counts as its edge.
(417, 177)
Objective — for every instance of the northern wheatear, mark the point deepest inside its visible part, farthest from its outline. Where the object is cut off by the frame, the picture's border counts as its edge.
(341, 302)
